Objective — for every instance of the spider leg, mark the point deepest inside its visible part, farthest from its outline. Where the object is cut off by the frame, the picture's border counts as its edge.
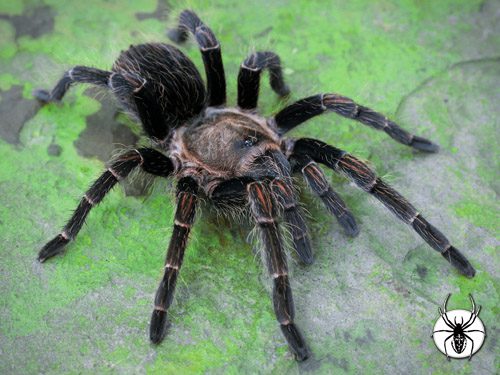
(442, 330)
(474, 330)
(319, 185)
(446, 319)
(184, 218)
(235, 192)
(307, 108)
(446, 350)
(292, 215)
(136, 95)
(472, 348)
(473, 316)
(148, 159)
(342, 162)
(282, 189)
(263, 211)
(210, 50)
(476, 311)
(78, 74)
(249, 78)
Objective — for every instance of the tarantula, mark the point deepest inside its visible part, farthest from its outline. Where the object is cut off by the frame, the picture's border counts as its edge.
(234, 157)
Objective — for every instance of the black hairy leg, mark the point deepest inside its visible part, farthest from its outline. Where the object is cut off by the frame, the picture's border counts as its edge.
(263, 210)
(319, 185)
(249, 78)
(231, 194)
(149, 160)
(304, 109)
(210, 51)
(78, 74)
(292, 215)
(342, 162)
(137, 95)
(187, 190)
(274, 165)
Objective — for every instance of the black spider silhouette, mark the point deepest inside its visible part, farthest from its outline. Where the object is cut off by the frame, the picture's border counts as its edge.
(234, 157)
(459, 330)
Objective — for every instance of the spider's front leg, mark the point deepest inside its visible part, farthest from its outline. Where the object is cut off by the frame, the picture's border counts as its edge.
(344, 163)
(249, 78)
(210, 51)
(149, 160)
(264, 212)
(78, 74)
(285, 195)
(187, 189)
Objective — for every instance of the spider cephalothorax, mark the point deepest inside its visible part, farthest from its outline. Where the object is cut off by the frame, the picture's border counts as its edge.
(233, 155)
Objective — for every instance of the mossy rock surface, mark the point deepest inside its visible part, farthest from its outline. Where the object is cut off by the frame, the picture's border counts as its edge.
(367, 305)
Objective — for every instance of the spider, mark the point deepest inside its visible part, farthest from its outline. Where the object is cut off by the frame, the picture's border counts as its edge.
(459, 330)
(234, 157)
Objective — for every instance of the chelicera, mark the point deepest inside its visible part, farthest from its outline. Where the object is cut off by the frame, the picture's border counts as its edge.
(459, 331)
(234, 157)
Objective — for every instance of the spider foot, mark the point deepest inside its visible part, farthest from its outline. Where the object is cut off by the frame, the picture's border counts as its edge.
(295, 341)
(456, 258)
(54, 247)
(158, 327)
(423, 144)
(177, 36)
(349, 224)
(43, 96)
(283, 91)
(303, 247)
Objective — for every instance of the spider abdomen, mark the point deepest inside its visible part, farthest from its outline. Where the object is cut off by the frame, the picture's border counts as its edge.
(459, 342)
(162, 87)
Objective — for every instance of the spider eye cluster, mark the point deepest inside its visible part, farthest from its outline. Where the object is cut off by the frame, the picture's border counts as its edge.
(250, 141)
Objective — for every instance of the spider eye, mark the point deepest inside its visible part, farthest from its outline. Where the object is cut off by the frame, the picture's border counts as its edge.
(250, 141)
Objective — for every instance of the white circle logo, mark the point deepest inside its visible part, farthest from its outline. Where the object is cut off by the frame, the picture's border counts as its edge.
(459, 333)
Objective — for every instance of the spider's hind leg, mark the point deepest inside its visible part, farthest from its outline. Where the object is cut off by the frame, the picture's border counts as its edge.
(78, 74)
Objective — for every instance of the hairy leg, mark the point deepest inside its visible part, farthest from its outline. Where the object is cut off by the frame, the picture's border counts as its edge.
(293, 218)
(149, 160)
(249, 78)
(342, 162)
(319, 185)
(304, 109)
(264, 213)
(210, 50)
(136, 95)
(78, 74)
(184, 218)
